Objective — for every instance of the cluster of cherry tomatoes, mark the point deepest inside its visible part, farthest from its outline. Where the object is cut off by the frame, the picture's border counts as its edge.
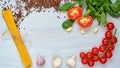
(103, 52)
(75, 13)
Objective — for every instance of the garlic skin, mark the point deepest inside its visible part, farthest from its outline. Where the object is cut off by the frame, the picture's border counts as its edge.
(56, 62)
(40, 61)
(71, 62)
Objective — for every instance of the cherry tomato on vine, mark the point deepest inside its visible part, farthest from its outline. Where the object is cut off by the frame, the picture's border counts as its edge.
(114, 40)
(102, 48)
(82, 55)
(111, 47)
(91, 63)
(108, 54)
(84, 61)
(74, 13)
(110, 26)
(108, 34)
(95, 50)
(103, 60)
(96, 58)
(85, 22)
(105, 41)
(89, 55)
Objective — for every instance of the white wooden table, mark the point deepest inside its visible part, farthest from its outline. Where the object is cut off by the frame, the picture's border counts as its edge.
(43, 35)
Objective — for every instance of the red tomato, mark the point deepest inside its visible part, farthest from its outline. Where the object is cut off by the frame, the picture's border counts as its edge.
(74, 13)
(105, 41)
(114, 40)
(108, 54)
(108, 34)
(95, 50)
(110, 26)
(111, 47)
(91, 63)
(84, 61)
(103, 60)
(89, 55)
(82, 55)
(102, 48)
(85, 21)
(96, 58)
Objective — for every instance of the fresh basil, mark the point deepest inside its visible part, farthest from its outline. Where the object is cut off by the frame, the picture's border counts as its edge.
(67, 24)
(66, 6)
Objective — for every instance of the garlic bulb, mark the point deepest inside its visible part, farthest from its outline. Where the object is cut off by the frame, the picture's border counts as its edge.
(71, 62)
(40, 61)
(56, 62)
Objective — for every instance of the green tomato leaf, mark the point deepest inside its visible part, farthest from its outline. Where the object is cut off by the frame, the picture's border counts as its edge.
(66, 6)
(67, 24)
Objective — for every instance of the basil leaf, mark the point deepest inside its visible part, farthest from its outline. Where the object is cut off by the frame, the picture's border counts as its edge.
(99, 20)
(67, 24)
(114, 8)
(87, 13)
(117, 2)
(92, 8)
(114, 14)
(66, 6)
(103, 19)
(81, 2)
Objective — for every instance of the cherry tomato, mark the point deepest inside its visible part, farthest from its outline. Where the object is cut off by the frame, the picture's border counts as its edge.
(91, 63)
(82, 55)
(89, 55)
(96, 58)
(102, 48)
(105, 41)
(85, 22)
(114, 39)
(111, 47)
(95, 50)
(103, 60)
(108, 54)
(110, 26)
(84, 61)
(74, 13)
(108, 34)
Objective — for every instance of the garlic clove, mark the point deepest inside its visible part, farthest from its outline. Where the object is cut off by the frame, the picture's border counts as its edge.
(71, 62)
(82, 30)
(40, 61)
(56, 62)
(69, 29)
(95, 29)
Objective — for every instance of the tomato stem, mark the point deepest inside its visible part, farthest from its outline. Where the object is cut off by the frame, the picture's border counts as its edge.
(115, 32)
